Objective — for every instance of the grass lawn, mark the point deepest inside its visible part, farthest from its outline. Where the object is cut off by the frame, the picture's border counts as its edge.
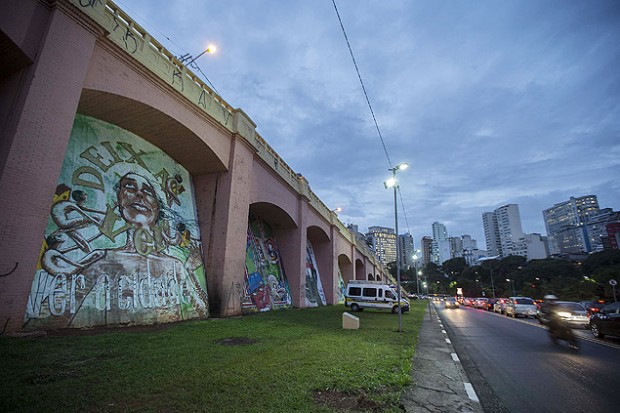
(281, 361)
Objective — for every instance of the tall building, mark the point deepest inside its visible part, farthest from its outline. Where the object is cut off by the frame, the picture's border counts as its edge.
(612, 240)
(456, 246)
(502, 230)
(426, 245)
(509, 225)
(467, 248)
(441, 246)
(383, 241)
(491, 234)
(567, 225)
(405, 243)
(532, 246)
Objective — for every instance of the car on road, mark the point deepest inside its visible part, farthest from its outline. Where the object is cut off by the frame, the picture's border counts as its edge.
(523, 306)
(500, 305)
(573, 314)
(606, 321)
(480, 302)
(451, 302)
(593, 306)
(489, 304)
(468, 302)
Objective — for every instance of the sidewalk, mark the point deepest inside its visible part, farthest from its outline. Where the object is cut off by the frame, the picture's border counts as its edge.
(439, 381)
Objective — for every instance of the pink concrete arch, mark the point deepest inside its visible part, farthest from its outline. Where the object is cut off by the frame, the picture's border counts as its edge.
(359, 270)
(268, 189)
(277, 217)
(323, 254)
(116, 91)
(346, 267)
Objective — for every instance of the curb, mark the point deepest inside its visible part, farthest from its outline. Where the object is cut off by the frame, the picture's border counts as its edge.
(440, 383)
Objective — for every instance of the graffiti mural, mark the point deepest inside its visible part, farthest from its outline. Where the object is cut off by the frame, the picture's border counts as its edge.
(266, 287)
(342, 288)
(122, 244)
(315, 296)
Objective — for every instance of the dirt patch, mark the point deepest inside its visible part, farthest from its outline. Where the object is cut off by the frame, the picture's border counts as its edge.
(345, 401)
(236, 341)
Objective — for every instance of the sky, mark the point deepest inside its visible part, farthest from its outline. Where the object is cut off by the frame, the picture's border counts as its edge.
(489, 102)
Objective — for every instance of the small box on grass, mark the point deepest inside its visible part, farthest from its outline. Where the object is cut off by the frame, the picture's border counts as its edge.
(350, 322)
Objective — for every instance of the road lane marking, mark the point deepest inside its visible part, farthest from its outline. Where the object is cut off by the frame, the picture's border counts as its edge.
(455, 357)
(471, 393)
(448, 341)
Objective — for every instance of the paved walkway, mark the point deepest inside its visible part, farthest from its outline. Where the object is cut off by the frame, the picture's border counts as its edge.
(439, 381)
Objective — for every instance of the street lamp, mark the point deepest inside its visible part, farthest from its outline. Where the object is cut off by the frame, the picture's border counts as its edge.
(393, 183)
(415, 268)
(210, 49)
(514, 293)
(490, 271)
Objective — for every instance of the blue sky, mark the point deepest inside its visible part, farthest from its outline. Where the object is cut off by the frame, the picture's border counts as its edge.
(490, 102)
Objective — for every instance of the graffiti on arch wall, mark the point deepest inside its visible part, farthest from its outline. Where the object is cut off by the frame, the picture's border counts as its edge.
(266, 287)
(315, 296)
(341, 289)
(122, 244)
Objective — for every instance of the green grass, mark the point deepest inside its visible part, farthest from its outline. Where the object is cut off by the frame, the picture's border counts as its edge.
(294, 355)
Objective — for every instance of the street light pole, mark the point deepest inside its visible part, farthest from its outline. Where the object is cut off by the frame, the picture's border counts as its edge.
(394, 184)
(514, 293)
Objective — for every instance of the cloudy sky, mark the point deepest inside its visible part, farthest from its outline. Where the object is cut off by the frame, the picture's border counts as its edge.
(490, 101)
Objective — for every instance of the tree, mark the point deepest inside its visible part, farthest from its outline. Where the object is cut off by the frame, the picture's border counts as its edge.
(455, 266)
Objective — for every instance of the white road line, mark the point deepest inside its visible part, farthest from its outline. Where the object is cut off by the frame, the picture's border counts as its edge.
(455, 357)
(444, 331)
(471, 392)
(448, 341)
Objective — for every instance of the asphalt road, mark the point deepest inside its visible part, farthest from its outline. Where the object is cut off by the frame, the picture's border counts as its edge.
(514, 366)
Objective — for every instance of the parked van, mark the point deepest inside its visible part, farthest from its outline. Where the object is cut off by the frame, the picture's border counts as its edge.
(373, 294)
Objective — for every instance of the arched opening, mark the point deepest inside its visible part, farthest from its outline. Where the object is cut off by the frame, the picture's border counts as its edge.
(359, 270)
(266, 285)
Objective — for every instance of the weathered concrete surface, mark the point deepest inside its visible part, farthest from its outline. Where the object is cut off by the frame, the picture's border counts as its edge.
(438, 380)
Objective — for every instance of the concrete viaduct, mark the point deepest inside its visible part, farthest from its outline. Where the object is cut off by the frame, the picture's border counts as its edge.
(88, 58)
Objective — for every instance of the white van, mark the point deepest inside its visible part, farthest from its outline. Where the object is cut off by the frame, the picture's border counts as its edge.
(373, 294)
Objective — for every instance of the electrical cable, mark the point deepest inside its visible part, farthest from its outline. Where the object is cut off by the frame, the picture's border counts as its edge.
(359, 76)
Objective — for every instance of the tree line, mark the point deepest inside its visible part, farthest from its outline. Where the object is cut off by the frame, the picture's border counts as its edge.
(514, 275)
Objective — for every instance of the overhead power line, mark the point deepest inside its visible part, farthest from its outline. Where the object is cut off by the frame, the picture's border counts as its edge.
(359, 76)
(372, 112)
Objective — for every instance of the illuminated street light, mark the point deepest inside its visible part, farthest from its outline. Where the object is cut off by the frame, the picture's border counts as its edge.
(415, 269)
(336, 210)
(514, 293)
(393, 183)
(210, 49)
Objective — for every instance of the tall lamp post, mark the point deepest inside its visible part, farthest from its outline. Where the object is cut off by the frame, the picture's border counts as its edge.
(514, 293)
(415, 268)
(490, 271)
(393, 183)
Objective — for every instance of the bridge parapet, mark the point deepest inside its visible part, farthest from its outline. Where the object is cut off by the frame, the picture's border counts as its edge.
(136, 41)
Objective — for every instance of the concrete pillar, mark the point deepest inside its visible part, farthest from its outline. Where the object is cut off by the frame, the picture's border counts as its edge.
(224, 225)
(41, 118)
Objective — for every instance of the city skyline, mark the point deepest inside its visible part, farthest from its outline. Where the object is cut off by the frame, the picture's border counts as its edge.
(490, 104)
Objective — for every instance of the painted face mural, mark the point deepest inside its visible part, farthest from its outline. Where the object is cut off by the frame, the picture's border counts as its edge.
(266, 286)
(122, 244)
